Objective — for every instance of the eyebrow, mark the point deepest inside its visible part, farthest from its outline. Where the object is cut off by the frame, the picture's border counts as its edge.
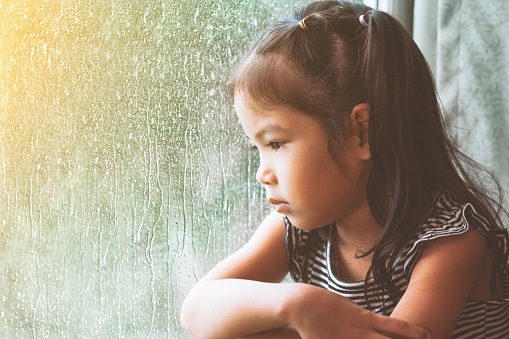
(270, 128)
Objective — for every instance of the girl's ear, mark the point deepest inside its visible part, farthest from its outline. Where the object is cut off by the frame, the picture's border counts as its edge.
(359, 120)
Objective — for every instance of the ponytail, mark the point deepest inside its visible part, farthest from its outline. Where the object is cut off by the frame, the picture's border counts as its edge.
(413, 155)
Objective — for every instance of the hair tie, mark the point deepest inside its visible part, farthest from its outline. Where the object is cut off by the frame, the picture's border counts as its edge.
(362, 21)
(302, 24)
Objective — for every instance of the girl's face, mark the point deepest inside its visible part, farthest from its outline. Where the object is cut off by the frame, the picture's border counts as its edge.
(299, 175)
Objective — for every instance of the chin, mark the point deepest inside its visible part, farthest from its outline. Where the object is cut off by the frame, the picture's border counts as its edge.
(306, 224)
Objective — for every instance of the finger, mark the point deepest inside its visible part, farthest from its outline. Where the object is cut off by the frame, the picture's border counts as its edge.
(397, 328)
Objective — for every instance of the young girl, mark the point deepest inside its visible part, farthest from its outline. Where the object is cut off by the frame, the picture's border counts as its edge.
(377, 217)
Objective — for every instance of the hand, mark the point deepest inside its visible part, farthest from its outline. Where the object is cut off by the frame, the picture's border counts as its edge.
(317, 313)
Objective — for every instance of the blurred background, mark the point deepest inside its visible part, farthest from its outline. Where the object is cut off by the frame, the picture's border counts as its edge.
(124, 174)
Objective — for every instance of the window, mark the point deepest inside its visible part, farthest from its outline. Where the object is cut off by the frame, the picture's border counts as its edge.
(124, 173)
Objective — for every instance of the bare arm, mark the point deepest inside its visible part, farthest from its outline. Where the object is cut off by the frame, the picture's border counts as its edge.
(243, 308)
(242, 297)
(447, 274)
(287, 332)
(242, 294)
(232, 308)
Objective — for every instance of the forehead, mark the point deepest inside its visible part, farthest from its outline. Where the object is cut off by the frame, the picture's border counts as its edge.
(276, 119)
(245, 103)
(249, 109)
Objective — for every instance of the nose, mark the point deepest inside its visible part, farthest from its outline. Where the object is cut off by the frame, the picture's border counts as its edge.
(265, 175)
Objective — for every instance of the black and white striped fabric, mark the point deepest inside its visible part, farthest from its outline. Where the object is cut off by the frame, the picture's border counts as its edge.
(309, 260)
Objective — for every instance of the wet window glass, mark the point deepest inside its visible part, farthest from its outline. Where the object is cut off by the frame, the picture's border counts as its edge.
(124, 174)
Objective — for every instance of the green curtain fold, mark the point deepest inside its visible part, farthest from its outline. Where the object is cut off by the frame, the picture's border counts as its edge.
(466, 44)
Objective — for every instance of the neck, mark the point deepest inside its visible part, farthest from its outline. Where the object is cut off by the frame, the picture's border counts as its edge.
(359, 230)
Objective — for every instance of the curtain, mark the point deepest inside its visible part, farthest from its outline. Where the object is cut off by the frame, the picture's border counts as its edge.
(467, 46)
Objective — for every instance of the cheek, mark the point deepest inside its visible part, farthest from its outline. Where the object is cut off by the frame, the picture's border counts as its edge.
(333, 187)
(320, 182)
(313, 170)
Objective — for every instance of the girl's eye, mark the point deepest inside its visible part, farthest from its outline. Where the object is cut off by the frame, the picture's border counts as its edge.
(276, 145)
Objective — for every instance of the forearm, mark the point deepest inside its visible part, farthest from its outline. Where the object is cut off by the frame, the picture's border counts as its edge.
(233, 308)
(287, 332)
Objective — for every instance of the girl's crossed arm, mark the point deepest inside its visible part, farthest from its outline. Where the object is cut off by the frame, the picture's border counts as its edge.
(242, 296)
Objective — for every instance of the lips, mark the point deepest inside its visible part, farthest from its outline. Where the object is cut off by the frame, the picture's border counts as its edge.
(276, 202)
(281, 206)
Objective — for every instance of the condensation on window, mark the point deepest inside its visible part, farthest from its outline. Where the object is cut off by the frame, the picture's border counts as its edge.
(124, 174)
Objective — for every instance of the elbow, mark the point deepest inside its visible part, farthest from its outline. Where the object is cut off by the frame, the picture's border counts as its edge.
(190, 316)
(187, 320)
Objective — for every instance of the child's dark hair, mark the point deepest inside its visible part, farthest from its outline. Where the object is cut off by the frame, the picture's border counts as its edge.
(330, 62)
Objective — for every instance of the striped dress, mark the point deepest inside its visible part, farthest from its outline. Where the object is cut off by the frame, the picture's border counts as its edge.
(309, 261)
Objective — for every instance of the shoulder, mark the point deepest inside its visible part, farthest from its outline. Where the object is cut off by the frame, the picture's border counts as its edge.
(453, 222)
(447, 264)
(444, 278)
(452, 233)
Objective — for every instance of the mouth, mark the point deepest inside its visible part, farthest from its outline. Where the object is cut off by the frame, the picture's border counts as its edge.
(276, 202)
(281, 206)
